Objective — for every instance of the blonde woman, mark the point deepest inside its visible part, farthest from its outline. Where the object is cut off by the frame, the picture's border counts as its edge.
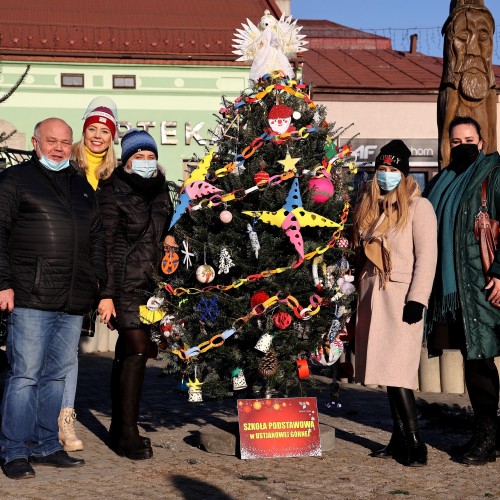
(94, 156)
(395, 231)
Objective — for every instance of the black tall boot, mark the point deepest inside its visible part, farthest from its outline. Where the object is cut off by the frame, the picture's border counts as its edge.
(416, 451)
(397, 443)
(497, 441)
(129, 443)
(483, 449)
(116, 413)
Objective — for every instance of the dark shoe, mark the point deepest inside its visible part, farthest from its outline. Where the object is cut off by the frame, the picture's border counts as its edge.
(396, 445)
(18, 469)
(416, 451)
(497, 440)
(126, 448)
(462, 449)
(58, 459)
(483, 449)
(114, 436)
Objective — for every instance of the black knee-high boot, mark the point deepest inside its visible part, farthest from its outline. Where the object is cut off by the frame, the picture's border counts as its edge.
(416, 451)
(397, 443)
(481, 378)
(116, 412)
(129, 443)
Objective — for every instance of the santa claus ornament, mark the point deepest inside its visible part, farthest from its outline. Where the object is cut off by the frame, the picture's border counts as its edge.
(280, 119)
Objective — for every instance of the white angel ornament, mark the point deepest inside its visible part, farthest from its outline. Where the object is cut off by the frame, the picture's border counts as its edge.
(271, 45)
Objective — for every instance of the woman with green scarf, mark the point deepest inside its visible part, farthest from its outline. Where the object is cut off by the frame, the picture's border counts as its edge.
(464, 310)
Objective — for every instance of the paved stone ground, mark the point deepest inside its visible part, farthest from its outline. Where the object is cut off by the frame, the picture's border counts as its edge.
(181, 470)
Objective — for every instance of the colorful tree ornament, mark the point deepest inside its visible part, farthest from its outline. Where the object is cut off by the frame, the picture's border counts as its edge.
(292, 216)
(226, 216)
(208, 310)
(205, 273)
(257, 299)
(342, 242)
(194, 187)
(289, 163)
(322, 188)
(282, 320)
(280, 118)
(239, 381)
(170, 262)
(261, 177)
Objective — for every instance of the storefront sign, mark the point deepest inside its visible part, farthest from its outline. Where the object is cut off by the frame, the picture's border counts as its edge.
(279, 427)
(168, 131)
(424, 152)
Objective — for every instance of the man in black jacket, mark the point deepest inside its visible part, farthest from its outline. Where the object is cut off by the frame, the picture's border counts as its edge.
(52, 262)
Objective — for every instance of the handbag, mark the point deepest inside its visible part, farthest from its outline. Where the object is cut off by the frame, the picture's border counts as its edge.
(486, 231)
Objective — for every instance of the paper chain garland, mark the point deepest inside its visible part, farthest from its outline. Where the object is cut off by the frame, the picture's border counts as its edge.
(179, 291)
(199, 187)
(198, 183)
(218, 340)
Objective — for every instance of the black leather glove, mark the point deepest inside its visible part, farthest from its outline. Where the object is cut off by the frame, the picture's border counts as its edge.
(413, 312)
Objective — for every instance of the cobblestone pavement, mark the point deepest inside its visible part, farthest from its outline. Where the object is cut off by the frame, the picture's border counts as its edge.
(180, 469)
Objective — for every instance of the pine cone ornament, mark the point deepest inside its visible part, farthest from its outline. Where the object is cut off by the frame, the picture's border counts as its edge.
(269, 364)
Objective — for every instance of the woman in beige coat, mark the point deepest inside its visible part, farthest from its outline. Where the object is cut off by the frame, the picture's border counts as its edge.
(395, 229)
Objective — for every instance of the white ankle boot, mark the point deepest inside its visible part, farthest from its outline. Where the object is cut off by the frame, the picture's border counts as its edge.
(67, 436)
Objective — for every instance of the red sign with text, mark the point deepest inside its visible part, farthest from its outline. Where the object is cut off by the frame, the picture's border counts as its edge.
(279, 427)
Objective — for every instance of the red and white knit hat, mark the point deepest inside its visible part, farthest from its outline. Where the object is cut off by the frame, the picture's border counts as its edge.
(103, 116)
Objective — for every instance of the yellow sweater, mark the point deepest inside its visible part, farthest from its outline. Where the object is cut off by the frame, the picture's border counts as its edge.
(93, 161)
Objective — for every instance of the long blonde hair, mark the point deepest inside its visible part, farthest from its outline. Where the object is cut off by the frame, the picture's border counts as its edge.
(107, 166)
(395, 205)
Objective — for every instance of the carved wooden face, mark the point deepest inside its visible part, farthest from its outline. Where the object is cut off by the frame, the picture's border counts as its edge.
(472, 45)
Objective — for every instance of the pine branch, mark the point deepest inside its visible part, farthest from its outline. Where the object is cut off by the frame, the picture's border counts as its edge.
(16, 85)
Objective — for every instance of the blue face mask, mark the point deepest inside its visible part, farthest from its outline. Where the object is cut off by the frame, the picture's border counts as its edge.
(388, 181)
(53, 165)
(144, 168)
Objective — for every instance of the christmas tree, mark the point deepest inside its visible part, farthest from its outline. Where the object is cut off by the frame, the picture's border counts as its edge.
(260, 285)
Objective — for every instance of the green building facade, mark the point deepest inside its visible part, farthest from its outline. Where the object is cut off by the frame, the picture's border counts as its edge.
(176, 104)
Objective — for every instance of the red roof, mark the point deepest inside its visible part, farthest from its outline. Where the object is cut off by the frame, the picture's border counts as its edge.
(339, 59)
(349, 70)
(126, 29)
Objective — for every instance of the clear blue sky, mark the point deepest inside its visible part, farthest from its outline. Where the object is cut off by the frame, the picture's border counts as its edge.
(397, 19)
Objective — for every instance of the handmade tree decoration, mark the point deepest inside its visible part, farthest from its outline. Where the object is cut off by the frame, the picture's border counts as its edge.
(292, 217)
(269, 45)
(273, 307)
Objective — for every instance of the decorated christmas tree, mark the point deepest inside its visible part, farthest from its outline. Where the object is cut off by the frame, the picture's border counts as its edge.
(260, 284)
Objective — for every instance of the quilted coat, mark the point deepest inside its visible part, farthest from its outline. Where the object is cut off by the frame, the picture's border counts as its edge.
(135, 226)
(480, 319)
(52, 249)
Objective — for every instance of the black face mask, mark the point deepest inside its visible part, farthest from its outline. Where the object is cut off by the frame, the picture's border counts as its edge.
(464, 155)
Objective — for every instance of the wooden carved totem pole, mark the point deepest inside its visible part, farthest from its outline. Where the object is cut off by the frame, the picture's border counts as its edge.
(468, 83)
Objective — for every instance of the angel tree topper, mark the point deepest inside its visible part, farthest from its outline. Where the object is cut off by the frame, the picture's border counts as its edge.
(269, 46)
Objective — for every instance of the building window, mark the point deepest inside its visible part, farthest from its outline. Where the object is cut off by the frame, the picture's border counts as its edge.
(123, 82)
(71, 80)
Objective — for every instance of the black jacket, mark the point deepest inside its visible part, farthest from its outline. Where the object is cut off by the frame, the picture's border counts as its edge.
(135, 226)
(52, 249)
